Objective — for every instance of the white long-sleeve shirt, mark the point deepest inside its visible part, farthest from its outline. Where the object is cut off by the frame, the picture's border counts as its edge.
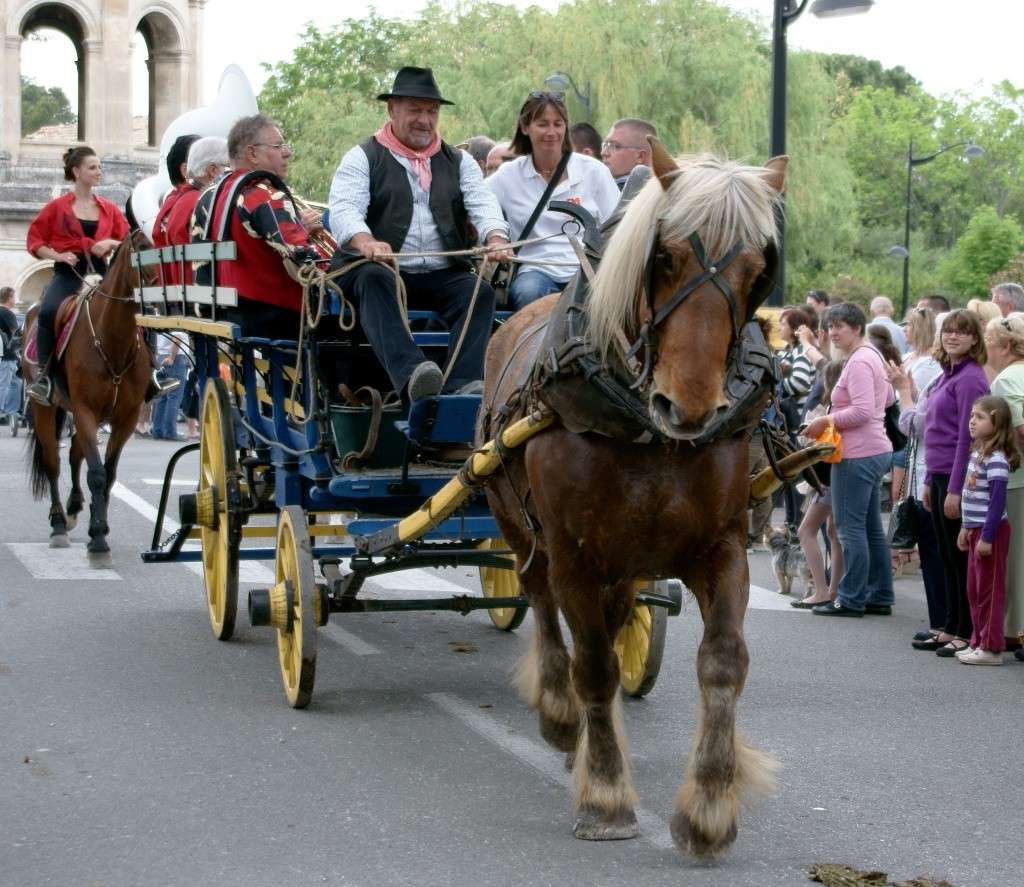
(518, 187)
(350, 199)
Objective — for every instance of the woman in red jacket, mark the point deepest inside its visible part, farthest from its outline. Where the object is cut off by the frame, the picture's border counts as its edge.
(78, 231)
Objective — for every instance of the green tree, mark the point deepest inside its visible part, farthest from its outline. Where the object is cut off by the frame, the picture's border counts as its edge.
(863, 72)
(42, 106)
(987, 246)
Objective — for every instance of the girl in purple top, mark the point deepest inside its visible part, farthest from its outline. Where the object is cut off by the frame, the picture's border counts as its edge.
(985, 535)
(858, 413)
(947, 439)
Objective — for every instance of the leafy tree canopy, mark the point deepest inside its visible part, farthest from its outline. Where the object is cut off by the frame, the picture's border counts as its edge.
(42, 106)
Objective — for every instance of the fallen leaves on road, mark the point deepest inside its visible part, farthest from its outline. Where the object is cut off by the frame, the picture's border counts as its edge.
(844, 876)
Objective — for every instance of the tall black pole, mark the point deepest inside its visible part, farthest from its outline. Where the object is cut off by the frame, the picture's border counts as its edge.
(778, 132)
(906, 233)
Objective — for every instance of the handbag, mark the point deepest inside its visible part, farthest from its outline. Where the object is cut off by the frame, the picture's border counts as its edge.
(903, 522)
(501, 281)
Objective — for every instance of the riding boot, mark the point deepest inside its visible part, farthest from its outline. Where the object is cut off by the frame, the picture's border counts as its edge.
(41, 389)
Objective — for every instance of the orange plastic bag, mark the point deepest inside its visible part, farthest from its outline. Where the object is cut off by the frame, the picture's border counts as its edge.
(831, 436)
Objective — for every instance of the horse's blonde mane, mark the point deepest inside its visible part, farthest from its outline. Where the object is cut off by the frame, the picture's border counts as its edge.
(725, 202)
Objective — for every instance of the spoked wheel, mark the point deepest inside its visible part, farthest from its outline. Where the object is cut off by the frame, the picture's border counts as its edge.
(497, 582)
(641, 643)
(217, 509)
(294, 604)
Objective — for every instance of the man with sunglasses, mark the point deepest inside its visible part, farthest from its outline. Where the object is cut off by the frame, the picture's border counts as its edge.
(627, 147)
(266, 228)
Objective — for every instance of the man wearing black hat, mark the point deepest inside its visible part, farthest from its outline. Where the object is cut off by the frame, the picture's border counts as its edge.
(404, 190)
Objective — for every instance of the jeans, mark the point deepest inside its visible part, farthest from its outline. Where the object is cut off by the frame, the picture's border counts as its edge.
(529, 286)
(165, 410)
(856, 506)
(447, 292)
(10, 388)
(958, 611)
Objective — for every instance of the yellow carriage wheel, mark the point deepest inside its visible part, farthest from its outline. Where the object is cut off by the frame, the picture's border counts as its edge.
(296, 585)
(641, 643)
(497, 582)
(220, 526)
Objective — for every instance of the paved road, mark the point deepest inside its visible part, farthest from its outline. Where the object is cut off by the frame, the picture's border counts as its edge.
(137, 750)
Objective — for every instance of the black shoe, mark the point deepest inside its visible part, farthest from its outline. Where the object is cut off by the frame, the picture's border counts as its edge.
(808, 605)
(1018, 654)
(949, 651)
(834, 608)
(924, 635)
(878, 609)
(931, 643)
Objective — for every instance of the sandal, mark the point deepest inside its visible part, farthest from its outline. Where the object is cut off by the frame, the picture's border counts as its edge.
(932, 643)
(950, 650)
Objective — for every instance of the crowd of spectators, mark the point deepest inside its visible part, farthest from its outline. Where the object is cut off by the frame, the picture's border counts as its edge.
(936, 403)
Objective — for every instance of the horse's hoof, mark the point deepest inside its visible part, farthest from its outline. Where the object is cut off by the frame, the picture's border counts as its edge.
(98, 545)
(690, 839)
(59, 540)
(72, 522)
(599, 825)
(100, 560)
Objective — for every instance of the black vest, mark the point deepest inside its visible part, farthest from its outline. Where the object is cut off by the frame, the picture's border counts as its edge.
(390, 212)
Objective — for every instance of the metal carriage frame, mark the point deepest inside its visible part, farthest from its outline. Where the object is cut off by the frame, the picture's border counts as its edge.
(269, 419)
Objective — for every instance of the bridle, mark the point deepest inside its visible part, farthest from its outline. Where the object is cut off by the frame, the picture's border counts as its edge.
(711, 270)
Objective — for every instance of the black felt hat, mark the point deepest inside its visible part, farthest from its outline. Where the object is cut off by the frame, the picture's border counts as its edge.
(415, 83)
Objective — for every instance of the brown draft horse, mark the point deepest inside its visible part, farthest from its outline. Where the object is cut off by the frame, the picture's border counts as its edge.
(103, 378)
(603, 513)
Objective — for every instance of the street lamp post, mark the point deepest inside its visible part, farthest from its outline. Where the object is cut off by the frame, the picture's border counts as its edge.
(787, 12)
(971, 150)
(560, 80)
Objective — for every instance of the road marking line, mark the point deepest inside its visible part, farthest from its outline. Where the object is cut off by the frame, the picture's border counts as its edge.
(137, 503)
(412, 584)
(71, 563)
(249, 572)
(175, 482)
(550, 764)
(349, 641)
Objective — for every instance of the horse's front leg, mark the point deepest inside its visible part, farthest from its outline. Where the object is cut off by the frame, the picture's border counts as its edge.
(542, 675)
(96, 478)
(722, 768)
(603, 794)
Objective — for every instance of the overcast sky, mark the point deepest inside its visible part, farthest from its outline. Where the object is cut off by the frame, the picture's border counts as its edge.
(947, 44)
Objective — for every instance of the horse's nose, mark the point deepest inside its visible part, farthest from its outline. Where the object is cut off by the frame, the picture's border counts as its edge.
(674, 422)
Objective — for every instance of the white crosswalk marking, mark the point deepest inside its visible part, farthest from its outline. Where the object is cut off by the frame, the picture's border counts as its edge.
(70, 563)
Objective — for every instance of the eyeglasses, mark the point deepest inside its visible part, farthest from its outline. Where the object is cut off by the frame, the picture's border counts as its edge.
(609, 145)
(552, 96)
(278, 146)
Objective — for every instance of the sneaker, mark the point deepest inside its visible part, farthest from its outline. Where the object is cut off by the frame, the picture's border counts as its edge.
(40, 391)
(965, 653)
(981, 657)
(425, 381)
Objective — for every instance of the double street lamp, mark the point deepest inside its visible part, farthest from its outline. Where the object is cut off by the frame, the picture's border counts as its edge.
(971, 151)
(787, 12)
(560, 81)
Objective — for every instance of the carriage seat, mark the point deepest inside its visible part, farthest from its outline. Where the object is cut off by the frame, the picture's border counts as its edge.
(446, 419)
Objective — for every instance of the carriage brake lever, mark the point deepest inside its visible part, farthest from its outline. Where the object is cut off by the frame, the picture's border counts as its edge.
(593, 240)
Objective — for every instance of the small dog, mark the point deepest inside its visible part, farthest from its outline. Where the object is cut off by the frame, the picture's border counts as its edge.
(788, 561)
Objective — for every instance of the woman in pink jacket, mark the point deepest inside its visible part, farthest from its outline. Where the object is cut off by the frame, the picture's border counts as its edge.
(858, 413)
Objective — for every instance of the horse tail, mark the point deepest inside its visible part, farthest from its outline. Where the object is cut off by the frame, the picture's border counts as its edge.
(39, 479)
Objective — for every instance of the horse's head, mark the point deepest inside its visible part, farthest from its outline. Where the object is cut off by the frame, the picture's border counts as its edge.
(681, 276)
(122, 275)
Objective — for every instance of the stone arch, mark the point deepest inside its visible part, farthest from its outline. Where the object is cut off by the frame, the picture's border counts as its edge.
(31, 282)
(76, 23)
(164, 35)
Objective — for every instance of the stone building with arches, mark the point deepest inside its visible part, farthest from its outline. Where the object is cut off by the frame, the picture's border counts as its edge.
(101, 33)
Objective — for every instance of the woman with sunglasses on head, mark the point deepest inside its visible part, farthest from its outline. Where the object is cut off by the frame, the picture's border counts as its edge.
(544, 155)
